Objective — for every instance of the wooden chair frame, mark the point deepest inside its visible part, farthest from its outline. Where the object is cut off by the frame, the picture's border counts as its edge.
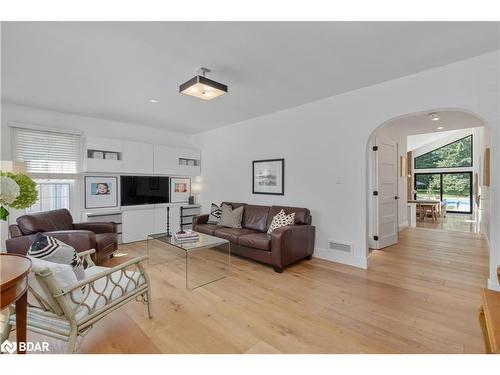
(58, 318)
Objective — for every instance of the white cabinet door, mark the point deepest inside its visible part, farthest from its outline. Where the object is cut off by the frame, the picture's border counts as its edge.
(137, 157)
(160, 220)
(137, 224)
(166, 160)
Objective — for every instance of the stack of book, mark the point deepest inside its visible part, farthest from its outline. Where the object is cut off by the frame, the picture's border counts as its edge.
(186, 236)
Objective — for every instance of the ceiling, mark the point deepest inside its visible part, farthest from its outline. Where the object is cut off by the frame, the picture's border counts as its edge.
(421, 140)
(111, 70)
(422, 124)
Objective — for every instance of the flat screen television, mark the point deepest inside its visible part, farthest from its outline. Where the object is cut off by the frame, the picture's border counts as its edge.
(144, 190)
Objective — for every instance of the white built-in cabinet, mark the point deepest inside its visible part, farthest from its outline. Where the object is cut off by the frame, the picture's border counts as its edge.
(102, 146)
(139, 158)
(166, 159)
(140, 221)
(137, 224)
(117, 156)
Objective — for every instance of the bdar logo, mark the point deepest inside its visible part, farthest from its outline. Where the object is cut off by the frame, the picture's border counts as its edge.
(8, 347)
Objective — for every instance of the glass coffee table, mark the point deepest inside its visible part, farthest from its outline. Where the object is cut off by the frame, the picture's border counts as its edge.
(203, 261)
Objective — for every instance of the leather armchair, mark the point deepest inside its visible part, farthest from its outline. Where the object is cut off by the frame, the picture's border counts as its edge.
(101, 236)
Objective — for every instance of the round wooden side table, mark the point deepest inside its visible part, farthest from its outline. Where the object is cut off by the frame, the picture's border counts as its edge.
(14, 270)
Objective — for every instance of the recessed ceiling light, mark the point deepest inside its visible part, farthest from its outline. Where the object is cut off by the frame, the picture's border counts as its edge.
(434, 116)
(203, 88)
(153, 100)
(440, 128)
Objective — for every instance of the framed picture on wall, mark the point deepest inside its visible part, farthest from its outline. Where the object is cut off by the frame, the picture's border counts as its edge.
(101, 192)
(180, 190)
(268, 176)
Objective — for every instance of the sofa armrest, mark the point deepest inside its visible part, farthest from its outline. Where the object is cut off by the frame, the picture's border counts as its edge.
(97, 227)
(292, 243)
(15, 231)
(19, 245)
(200, 219)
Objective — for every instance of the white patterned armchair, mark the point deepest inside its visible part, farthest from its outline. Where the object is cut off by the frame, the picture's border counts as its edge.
(65, 310)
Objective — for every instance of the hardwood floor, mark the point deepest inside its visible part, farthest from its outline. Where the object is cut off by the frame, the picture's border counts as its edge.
(420, 296)
(453, 222)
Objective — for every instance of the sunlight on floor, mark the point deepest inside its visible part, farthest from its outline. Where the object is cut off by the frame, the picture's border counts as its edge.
(452, 222)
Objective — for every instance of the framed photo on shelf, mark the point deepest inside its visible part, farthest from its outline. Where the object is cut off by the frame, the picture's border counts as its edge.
(101, 192)
(268, 176)
(180, 190)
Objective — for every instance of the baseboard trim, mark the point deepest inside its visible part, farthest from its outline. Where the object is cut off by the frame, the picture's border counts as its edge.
(403, 225)
(493, 284)
(340, 257)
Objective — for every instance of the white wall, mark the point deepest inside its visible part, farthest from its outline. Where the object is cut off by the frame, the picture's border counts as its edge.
(89, 126)
(324, 144)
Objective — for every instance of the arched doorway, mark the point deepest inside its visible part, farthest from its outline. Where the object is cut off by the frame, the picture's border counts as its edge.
(391, 175)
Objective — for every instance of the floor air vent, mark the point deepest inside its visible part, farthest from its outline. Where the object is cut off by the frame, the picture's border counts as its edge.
(345, 247)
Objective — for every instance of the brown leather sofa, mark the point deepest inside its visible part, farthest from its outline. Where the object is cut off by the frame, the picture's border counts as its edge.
(101, 236)
(284, 246)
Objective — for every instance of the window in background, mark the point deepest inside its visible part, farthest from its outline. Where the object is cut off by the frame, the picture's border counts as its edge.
(52, 160)
(453, 188)
(52, 195)
(457, 154)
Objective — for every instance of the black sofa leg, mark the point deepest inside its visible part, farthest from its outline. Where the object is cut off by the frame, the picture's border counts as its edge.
(309, 257)
(278, 269)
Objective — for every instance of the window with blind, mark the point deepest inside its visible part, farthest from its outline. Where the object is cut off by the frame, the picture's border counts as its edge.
(46, 152)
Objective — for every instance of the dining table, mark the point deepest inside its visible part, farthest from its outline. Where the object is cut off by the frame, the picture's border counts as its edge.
(423, 205)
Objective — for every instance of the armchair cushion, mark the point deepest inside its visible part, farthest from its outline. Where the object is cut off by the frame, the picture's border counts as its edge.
(62, 272)
(53, 250)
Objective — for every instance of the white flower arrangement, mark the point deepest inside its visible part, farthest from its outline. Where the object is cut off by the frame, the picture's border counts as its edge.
(9, 190)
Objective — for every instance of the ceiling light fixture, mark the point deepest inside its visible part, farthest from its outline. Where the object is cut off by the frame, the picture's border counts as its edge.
(153, 100)
(434, 116)
(440, 128)
(203, 88)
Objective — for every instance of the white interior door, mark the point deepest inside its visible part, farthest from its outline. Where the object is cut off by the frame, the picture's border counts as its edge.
(386, 186)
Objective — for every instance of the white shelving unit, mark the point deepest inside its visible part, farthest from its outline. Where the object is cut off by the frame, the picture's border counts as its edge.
(139, 158)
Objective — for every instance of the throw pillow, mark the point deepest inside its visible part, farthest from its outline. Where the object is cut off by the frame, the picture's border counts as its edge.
(215, 214)
(281, 220)
(64, 275)
(52, 250)
(231, 218)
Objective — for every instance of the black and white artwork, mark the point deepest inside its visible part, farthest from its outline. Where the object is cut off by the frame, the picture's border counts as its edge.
(268, 176)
